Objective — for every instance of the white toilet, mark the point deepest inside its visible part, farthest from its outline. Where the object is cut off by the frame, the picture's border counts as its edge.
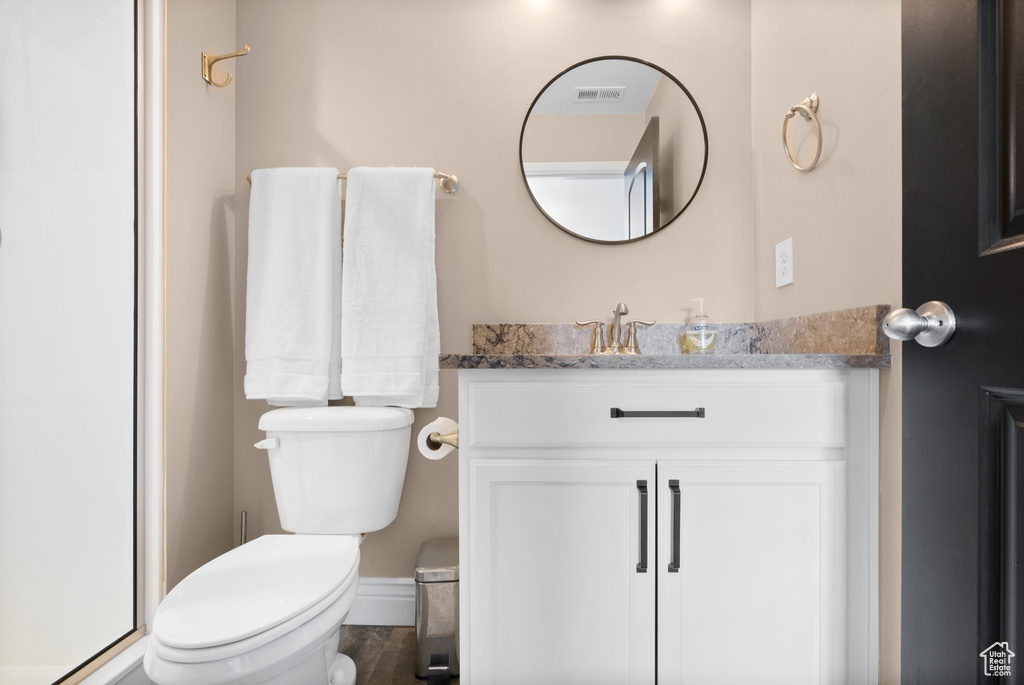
(269, 612)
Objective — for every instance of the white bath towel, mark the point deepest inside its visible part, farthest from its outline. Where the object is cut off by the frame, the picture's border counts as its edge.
(390, 338)
(293, 287)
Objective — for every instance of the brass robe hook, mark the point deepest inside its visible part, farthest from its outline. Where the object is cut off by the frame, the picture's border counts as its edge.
(210, 60)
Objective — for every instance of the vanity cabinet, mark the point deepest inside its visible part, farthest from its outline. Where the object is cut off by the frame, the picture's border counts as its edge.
(559, 591)
(756, 591)
(732, 544)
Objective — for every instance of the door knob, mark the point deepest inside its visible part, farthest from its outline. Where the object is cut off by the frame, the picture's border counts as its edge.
(931, 325)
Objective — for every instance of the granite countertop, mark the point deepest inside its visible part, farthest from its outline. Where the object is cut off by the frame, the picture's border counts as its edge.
(665, 361)
(847, 339)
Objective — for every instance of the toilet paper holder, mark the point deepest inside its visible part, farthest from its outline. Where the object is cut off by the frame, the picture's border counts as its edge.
(435, 440)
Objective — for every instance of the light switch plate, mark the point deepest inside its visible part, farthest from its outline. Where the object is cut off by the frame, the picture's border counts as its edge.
(784, 263)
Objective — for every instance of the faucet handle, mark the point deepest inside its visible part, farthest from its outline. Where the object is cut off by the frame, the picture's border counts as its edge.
(597, 341)
(631, 345)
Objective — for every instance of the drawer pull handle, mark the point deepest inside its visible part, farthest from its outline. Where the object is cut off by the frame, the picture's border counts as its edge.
(641, 567)
(697, 413)
(673, 485)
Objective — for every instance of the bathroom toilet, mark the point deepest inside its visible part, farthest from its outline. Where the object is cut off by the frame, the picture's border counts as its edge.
(269, 612)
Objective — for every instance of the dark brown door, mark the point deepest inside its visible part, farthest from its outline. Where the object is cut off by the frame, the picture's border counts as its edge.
(963, 403)
(643, 185)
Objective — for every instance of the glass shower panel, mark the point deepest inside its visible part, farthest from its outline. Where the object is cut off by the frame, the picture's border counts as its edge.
(67, 333)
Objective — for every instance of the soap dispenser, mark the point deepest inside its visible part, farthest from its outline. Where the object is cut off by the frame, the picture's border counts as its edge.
(701, 332)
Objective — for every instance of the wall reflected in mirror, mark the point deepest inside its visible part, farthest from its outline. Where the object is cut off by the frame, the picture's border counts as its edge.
(613, 149)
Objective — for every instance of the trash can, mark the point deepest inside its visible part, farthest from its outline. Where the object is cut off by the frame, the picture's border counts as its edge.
(437, 611)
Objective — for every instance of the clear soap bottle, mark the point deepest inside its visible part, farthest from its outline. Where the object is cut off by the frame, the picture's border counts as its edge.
(701, 331)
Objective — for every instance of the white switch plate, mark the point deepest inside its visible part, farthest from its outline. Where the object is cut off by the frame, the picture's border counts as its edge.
(784, 263)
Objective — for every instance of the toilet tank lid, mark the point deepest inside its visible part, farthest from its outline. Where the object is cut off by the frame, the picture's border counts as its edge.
(336, 419)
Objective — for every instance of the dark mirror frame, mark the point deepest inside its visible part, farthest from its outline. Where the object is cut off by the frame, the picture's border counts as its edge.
(700, 116)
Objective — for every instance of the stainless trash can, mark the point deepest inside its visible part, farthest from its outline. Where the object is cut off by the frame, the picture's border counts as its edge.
(437, 611)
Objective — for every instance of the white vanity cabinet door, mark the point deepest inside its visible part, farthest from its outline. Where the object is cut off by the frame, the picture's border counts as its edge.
(556, 596)
(760, 591)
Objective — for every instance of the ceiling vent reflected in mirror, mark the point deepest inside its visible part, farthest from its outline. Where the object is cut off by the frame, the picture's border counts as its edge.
(613, 163)
(600, 94)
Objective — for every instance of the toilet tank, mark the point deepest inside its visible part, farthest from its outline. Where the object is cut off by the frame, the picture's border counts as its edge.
(337, 470)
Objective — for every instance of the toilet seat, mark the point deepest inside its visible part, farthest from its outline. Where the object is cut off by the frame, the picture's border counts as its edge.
(312, 644)
(254, 595)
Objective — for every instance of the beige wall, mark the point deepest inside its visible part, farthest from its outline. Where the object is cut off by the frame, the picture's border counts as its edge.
(845, 217)
(198, 462)
(447, 84)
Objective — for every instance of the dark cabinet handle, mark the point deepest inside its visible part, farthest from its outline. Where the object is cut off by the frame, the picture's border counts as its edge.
(697, 413)
(641, 567)
(673, 485)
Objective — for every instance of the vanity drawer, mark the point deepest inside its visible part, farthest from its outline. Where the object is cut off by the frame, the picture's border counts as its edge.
(573, 408)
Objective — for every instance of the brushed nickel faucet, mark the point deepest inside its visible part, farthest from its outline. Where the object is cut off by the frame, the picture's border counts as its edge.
(615, 333)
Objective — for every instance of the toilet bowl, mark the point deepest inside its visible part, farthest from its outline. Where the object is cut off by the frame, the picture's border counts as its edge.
(269, 612)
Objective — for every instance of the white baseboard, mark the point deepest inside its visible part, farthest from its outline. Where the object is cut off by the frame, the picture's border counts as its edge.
(384, 602)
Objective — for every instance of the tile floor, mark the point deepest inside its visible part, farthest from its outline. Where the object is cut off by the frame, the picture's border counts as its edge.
(384, 655)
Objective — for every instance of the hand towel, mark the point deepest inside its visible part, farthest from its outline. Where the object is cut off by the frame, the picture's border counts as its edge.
(390, 337)
(293, 287)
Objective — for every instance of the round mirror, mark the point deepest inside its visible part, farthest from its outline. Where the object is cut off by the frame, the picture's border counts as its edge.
(613, 149)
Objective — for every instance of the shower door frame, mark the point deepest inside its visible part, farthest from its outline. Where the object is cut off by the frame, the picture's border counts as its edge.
(150, 79)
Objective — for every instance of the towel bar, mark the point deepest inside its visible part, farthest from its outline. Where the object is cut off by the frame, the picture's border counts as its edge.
(449, 182)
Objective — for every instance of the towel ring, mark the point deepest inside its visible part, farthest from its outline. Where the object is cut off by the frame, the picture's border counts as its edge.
(808, 109)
